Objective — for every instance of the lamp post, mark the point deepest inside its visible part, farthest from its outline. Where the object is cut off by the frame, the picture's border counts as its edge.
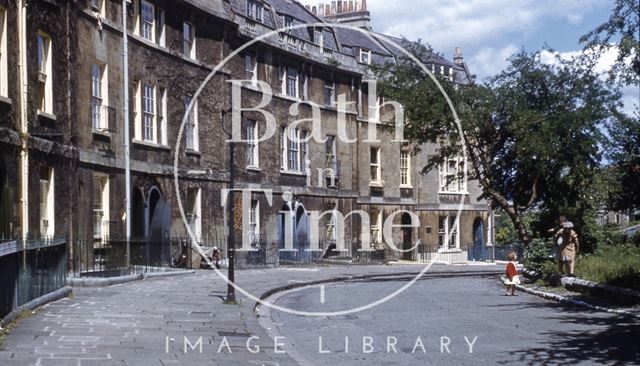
(231, 242)
(125, 110)
(231, 291)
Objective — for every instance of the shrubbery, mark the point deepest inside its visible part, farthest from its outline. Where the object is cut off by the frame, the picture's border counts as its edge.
(539, 257)
(618, 265)
(615, 264)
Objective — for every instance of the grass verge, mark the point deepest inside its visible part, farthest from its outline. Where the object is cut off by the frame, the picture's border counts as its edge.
(617, 265)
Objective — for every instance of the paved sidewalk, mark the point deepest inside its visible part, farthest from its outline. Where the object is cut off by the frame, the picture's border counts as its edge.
(146, 322)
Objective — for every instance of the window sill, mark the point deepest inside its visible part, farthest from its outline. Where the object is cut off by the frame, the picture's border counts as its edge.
(47, 115)
(254, 168)
(103, 133)
(150, 144)
(289, 172)
(189, 58)
(195, 153)
(405, 186)
(289, 98)
(376, 184)
(453, 193)
(5, 100)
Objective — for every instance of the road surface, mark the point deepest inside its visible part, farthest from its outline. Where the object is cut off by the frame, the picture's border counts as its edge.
(448, 321)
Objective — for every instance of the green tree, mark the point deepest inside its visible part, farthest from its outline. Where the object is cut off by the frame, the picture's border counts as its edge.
(531, 134)
(624, 169)
(621, 30)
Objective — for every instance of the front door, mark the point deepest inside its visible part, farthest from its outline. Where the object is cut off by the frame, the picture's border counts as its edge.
(407, 238)
(478, 252)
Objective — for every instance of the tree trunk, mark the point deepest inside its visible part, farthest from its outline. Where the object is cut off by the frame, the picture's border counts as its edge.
(514, 215)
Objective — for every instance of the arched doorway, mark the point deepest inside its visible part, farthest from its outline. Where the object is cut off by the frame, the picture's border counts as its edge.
(478, 251)
(150, 228)
(158, 229)
(296, 217)
(407, 237)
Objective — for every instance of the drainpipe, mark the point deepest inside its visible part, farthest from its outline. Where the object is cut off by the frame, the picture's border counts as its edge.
(22, 110)
(125, 110)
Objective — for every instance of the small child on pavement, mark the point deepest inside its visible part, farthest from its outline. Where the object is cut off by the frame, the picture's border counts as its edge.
(512, 275)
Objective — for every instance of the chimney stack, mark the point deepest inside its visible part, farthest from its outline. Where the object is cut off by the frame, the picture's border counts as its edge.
(353, 12)
(457, 56)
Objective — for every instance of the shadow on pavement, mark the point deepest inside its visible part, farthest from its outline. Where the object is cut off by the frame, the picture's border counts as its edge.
(616, 343)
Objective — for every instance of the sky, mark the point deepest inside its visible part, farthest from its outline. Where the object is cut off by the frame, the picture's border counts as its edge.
(489, 31)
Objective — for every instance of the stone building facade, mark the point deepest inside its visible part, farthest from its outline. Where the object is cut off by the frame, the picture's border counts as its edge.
(62, 130)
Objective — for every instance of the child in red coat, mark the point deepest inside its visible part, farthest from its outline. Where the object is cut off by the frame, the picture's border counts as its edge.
(512, 275)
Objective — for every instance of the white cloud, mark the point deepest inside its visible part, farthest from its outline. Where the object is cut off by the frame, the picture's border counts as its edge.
(490, 61)
(574, 18)
(605, 62)
(446, 24)
(630, 94)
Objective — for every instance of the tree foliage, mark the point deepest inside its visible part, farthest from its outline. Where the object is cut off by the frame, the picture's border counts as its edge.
(531, 134)
(621, 30)
(624, 169)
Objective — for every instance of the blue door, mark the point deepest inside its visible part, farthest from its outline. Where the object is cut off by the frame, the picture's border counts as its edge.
(478, 251)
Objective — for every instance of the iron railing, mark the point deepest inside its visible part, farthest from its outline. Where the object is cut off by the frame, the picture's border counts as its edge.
(329, 253)
(500, 252)
(107, 257)
(30, 269)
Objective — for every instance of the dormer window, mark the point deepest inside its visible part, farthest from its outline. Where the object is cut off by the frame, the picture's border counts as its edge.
(98, 7)
(287, 21)
(318, 37)
(255, 10)
(365, 56)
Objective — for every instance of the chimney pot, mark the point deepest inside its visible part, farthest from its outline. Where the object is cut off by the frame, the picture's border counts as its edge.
(314, 10)
(364, 5)
(457, 56)
(308, 7)
(333, 8)
(339, 6)
(350, 6)
(327, 10)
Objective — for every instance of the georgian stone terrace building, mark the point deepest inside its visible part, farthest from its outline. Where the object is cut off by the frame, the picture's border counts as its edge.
(62, 130)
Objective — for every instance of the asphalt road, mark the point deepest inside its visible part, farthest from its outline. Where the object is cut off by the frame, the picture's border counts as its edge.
(428, 324)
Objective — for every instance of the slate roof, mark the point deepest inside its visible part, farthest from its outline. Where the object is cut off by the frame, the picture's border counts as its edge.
(350, 41)
(295, 10)
(353, 38)
(217, 8)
